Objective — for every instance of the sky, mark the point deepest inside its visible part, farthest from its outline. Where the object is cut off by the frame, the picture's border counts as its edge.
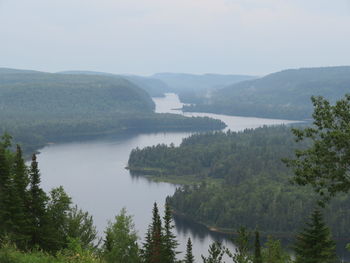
(192, 36)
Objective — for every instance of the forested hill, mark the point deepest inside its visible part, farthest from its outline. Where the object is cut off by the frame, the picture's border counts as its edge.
(38, 107)
(180, 82)
(284, 94)
(155, 87)
(46, 95)
(238, 179)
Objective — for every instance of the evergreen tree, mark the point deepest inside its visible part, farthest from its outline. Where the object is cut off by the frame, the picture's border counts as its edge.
(314, 243)
(273, 252)
(6, 223)
(153, 247)
(169, 240)
(189, 258)
(19, 200)
(257, 248)
(241, 254)
(37, 205)
(216, 253)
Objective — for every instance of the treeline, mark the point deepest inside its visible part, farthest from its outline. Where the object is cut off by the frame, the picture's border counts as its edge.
(283, 95)
(238, 179)
(51, 107)
(36, 227)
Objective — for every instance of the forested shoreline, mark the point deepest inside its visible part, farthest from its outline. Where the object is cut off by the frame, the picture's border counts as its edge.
(238, 178)
(37, 108)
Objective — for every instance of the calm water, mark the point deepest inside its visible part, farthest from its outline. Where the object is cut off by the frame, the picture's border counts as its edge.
(93, 173)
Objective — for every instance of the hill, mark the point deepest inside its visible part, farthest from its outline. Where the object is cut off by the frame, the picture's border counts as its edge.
(155, 87)
(38, 107)
(284, 94)
(193, 88)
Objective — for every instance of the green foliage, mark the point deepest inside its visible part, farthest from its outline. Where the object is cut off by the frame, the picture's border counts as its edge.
(160, 243)
(283, 95)
(41, 107)
(80, 226)
(121, 240)
(239, 179)
(257, 249)
(242, 253)
(314, 243)
(189, 258)
(325, 165)
(273, 252)
(216, 252)
(29, 218)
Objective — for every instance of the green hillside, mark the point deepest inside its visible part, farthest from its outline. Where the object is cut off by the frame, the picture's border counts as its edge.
(284, 94)
(154, 87)
(38, 107)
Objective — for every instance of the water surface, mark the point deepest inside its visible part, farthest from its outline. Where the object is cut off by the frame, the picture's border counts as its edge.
(93, 173)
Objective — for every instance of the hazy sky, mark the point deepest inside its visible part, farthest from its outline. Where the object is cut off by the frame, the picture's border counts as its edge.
(193, 36)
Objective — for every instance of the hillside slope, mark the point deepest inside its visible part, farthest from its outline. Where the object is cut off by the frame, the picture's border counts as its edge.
(284, 94)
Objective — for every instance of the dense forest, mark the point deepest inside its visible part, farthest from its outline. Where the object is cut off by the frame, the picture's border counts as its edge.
(283, 95)
(238, 179)
(153, 86)
(51, 107)
(40, 227)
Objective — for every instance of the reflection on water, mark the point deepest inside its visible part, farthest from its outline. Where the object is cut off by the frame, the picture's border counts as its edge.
(94, 174)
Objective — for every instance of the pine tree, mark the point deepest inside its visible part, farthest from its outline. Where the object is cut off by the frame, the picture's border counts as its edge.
(216, 253)
(6, 223)
(37, 205)
(19, 200)
(314, 244)
(169, 239)
(189, 258)
(257, 248)
(153, 247)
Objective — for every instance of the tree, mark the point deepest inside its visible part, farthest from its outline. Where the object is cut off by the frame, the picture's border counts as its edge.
(169, 239)
(5, 198)
(121, 240)
(37, 205)
(56, 220)
(257, 249)
(19, 200)
(314, 243)
(153, 247)
(241, 254)
(325, 165)
(216, 253)
(80, 226)
(273, 252)
(189, 258)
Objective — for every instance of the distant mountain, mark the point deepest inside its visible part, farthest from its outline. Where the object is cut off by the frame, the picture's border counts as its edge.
(4, 71)
(284, 94)
(180, 82)
(155, 87)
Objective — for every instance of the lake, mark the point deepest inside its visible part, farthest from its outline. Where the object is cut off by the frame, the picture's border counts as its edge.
(93, 173)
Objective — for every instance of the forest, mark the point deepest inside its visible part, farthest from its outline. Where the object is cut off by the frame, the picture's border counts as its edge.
(52, 107)
(281, 95)
(238, 178)
(40, 227)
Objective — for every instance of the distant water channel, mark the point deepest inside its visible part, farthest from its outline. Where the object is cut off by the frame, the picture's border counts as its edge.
(93, 173)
